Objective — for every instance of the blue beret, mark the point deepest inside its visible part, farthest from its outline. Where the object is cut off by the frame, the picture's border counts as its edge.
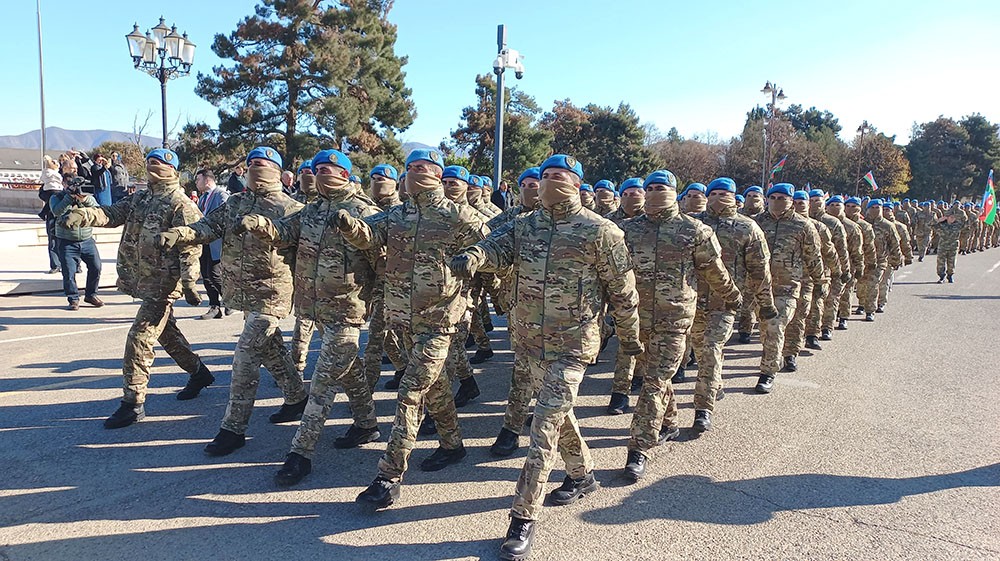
(816, 193)
(741, 199)
(853, 201)
(721, 184)
(427, 155)
(925, 203)
(456, 172)
(487, 181)
(906, 200)
(532, 173)
(661, 176)
(605, 184)
(385, 170)
(874, 202)
(335, 157)
(781, 189)
(940, 202)
(800, 195)
(586, 187)
(305, 164)
(753, 189)
(631, 183)
(700, 187)
(562, 161)
(968, 205)
(835, 199)
(888, 204)
(354, 179)
(267, 153)
(166, 156)
(475, 181)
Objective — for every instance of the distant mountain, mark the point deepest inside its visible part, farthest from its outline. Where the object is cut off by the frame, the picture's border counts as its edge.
(62, 139)
(411, 146)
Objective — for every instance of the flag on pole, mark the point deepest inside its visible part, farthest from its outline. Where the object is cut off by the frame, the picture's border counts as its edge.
(778, 166)
(870, 178)
(989, 213)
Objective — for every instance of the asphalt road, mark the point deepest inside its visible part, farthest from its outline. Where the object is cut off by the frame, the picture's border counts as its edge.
(885, 445)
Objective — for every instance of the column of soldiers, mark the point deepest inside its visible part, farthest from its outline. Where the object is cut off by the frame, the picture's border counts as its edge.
(419, 256)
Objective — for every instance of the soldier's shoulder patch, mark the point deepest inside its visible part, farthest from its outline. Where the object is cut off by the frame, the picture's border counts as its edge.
(168, 156)
(619, 258)
(570, 161)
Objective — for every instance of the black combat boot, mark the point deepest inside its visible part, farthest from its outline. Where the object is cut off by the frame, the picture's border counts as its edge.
(880, 309)
(667, 434)
(385, 360)
(126, 414)
(702, 420)
(517, 544)
(813, 343)
(225, 443)
(380, 494)
(841, 324)
(427, 426)
(765, 383)
(442, 458)
(950, 279)
(859, 310)
(506, 443)
(790, 364)
(692, 361)
(940, 279)
(289, 412)
(826, 335)
(394, 383)
(744, 338)
(573, 490)
(356, 436)
(636, 383)
(470, 341)
(619, 404)
(481, 356)
(468, 390)
(296, 467)
(720, 395)
(870, 316)
(635, 465)
(196, 382)
(679, 376)
(488, 325)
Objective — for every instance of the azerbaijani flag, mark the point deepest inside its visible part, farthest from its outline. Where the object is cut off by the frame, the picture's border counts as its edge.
(778, 166)
(870, 178)
(989, 213)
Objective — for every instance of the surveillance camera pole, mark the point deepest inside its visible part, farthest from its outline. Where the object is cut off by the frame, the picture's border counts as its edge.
(499, 99)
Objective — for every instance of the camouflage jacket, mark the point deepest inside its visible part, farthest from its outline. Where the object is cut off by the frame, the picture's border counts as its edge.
(419, 237)
(332, 278)
(508, 215)
(603, 209)
(795, 251)
(905, 247)
(855, 241)
(887, 243)
(745, 255)
(619, 217)
(256, 274)
(565, 261)
(828, 252)
(486, 208)
(948, 234)
(838, 235)
(145, 270)
(923, 222)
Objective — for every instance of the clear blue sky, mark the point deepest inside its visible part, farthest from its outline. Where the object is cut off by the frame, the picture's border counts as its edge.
(697, 66)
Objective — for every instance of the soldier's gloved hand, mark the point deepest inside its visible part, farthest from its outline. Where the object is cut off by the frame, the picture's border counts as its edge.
(168, 239)
(464, 265)
(75, 218)
(631, 347)
(768, 312)
(824, 290)
(845, 277)
(190, 292)
(246, 224)
(735, 305)
(344, 219)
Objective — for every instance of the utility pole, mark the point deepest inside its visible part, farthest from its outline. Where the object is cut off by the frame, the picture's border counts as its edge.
(861, 146)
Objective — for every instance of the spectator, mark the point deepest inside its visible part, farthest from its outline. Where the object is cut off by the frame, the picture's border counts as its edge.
(102, 179)
(52, 183)
(502, 197)
(119, 176)
(237, 181)
(287, 178)
(76, 244)
(212, 197)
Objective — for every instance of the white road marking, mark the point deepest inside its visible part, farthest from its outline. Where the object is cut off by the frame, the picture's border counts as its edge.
(50, 335)
(20, 492)
(994, 267)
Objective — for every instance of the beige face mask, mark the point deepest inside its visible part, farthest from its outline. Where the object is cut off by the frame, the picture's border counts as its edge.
(658, 201)
(383, 187)
(632, 205)
(328, 183)
(778, 207)
(455, 193)
(529, 196)
(160, 172)
(307, 183)
(554, 191)
(420, 182)
(474, 195)
(259, 177)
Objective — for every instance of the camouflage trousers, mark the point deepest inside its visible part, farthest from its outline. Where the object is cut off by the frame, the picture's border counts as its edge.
(380, 340)
(260, 343)
(523, 387)
(946, 260)
(795, 331)
(884, 286)
(772, 333)
(656, 407)
(301, 340)
(625, 370)
(338, 366)
(709, 334)
(457, 366)
(554, 427)
(423, 384)
(963, 240)
(480, 311)
(844, 305)
(154, 322)
(868, 287)
(817, 307)
(747, 316)
(923, 243)
(832, 304)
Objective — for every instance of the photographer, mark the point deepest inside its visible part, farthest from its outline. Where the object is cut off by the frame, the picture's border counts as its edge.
(76, 244)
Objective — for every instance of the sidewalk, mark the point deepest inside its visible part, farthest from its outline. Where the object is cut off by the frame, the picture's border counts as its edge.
(24, 259)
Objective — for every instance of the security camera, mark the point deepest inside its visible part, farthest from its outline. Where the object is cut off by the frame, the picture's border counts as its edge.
(498, 65)
(519, 74)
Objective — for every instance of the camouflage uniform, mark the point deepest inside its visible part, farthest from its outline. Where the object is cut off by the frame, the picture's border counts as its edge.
(923, 226)
(423, 301)
(304, 328)
(840, 307)
(746, 257)
(948, 242)
(746, 318)
(154, 275)
(380, 338)
(625, 365)
(812, 293)
(837, 271)
(795, 259)
(887, 245)
(565, 259)
(483, 284)
(868, 283)
(256, 279)
(331, 277)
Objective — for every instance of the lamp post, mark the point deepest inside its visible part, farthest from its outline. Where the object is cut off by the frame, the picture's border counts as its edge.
(861, 146)
(777, 94)
(163, 54)
(506, 58)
